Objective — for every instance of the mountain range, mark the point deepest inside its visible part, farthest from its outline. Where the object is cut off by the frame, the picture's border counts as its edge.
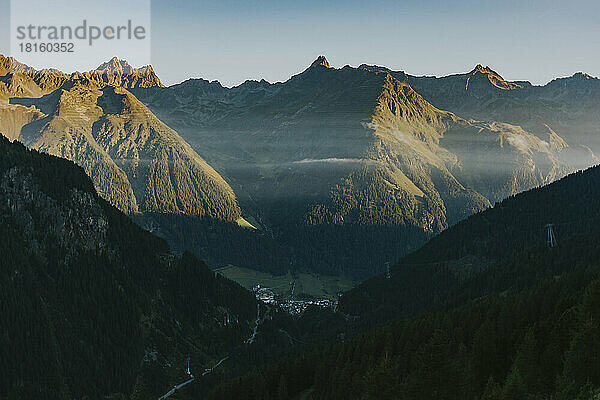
(336, 171)
(332, 164)
(350, 149)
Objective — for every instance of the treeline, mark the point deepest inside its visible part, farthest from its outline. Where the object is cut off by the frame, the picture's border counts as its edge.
(517, 223)
(359, 251)
(355, 250)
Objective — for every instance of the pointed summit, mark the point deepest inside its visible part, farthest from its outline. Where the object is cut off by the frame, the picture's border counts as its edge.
(484, 70)
(320, 61)
(115, 66)
(121, 73)
(493, 77)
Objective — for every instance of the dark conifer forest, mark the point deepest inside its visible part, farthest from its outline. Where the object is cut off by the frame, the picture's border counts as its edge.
(500, 316)
(91, 303)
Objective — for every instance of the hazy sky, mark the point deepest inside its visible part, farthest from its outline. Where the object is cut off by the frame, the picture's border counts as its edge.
(232, 41)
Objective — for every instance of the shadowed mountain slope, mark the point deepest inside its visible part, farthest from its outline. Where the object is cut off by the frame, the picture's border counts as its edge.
(92, 305)
(469, 259)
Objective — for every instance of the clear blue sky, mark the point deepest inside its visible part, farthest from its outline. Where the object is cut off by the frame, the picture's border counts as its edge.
(232, 41)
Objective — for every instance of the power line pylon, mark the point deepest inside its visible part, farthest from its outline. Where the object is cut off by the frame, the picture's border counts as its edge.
(551, 239)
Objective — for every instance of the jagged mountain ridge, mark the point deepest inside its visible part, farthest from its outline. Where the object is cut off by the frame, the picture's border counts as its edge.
(136, 162)
(564, 106)
(270, 113)
(120, 73)
(348, 147)
(20, 80)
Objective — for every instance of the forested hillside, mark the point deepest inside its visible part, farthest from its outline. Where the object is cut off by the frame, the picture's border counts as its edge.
(540, 343)
(470, 250)
(521, 323)
(92, 305)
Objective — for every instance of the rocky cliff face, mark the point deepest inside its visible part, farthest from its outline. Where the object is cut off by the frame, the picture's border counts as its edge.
(17, 79)
(136, 162)
(563, 107)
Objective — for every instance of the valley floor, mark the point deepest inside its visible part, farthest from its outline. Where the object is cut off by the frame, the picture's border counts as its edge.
(307, 285)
